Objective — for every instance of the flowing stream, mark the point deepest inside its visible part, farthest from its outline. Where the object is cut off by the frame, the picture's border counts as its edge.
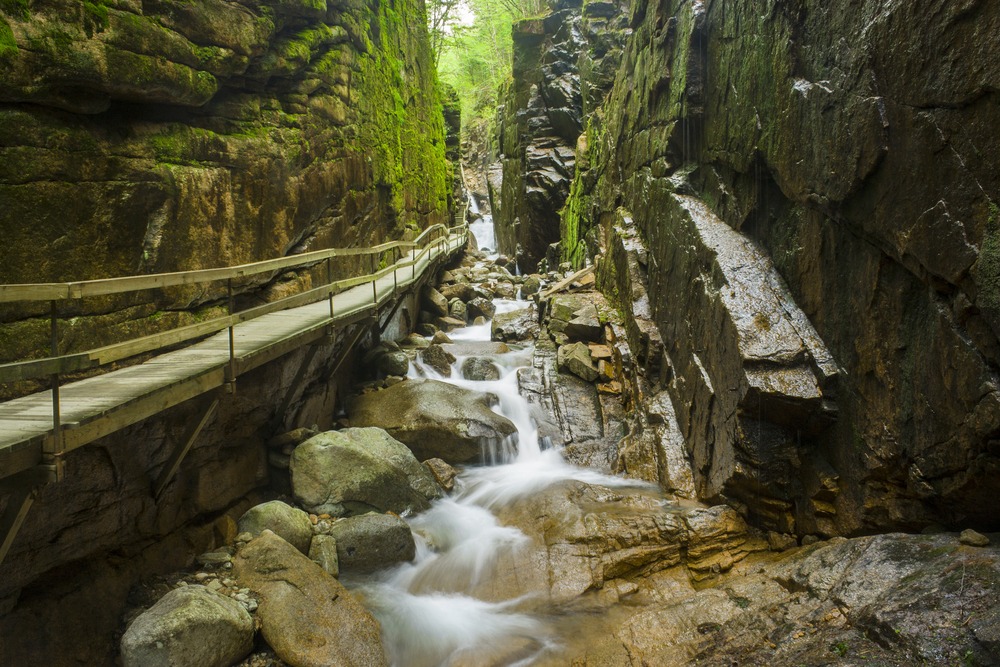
(482, 229)
(427, 609)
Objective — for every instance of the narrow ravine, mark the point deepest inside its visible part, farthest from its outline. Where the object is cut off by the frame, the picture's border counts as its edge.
(437, 609)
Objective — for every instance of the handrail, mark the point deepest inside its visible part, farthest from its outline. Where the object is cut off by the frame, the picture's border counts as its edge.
(120, 285)
(80, 361)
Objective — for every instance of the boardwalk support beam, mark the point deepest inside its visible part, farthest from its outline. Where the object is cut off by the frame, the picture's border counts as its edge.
(194, 430)
(13, 517)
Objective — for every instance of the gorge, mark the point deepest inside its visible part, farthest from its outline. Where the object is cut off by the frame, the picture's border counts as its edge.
(722, 387)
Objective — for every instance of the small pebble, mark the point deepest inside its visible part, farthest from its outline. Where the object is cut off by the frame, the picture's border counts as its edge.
(202, 576)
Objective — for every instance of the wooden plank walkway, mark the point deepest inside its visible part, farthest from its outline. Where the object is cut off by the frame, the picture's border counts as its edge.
(97, 406)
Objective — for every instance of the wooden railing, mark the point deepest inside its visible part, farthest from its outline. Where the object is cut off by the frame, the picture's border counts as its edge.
(29, 461)
(56, 293)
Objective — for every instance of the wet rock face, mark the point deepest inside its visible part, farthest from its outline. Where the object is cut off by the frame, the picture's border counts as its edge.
(891, 599)
(804, 230)
(146, 137)
(561, 66)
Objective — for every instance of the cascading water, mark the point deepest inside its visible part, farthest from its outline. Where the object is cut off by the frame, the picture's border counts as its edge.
(428, 608)
(482, 229)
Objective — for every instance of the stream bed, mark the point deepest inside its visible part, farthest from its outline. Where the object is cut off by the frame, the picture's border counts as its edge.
(428, 608)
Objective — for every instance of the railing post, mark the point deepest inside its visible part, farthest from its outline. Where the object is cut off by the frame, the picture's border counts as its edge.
(329, 282)
(374, 287)
(231, 380)
(53, 455)
(396, 260)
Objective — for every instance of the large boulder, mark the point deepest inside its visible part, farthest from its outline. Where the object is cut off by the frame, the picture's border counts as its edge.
(463, 291)
(433, 419)
(481, 307)
(434, 302)
(515, 325)
(358, 470)
(307, 616)
(480, 368)
(291, 523)
(189, 626)
(371, 541)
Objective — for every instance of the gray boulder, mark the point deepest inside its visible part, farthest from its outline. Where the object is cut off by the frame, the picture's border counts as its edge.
(585, 325)
(323, 552)
(371, 541)
(433, 419)
(463, 291)
(190, 626)
(289, 523)
(457, 309)
(357, 470)
(415, 341)
(480, 368)
(531, 285)
(480, 307)
(439, 359)
(393, 363)
(307, 616)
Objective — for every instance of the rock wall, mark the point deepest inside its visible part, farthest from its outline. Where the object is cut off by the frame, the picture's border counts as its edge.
(796, 204)
(563, 65)
(158, 135)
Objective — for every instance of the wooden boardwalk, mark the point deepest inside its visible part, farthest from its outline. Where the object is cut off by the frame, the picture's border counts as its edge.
(34, 436)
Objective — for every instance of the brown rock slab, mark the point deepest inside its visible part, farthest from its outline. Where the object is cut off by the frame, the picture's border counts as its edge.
(443, 473)
(307, 616)
(434, 419)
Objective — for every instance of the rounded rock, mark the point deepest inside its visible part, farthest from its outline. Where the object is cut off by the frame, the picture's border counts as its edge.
(289, 523)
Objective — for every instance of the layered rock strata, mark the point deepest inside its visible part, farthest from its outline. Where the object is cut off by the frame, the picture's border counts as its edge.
(163, 136)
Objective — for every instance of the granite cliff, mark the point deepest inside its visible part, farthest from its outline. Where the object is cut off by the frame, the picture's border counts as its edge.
(794, 205)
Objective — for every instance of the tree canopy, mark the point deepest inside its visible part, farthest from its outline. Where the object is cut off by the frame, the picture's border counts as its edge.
(472, 42)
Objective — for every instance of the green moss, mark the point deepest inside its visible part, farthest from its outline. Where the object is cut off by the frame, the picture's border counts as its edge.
(8, 47)
(95, 16)
(15, 8)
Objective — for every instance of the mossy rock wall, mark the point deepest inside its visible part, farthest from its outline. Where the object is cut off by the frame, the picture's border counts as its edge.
(167, 135)
(850, 144)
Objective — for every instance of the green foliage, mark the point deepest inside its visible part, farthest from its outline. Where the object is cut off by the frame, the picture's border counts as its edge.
(840, 648)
